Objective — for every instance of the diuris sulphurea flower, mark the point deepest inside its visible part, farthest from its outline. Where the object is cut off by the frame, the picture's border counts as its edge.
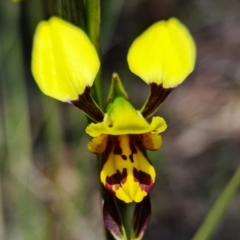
(126, 172)
(65, 64)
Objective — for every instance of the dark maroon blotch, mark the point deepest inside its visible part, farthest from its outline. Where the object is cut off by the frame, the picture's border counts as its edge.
(117, 177)
(144, 179)
(117, 150)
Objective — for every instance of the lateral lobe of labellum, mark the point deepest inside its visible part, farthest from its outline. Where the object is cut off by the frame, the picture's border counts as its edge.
(126, 172)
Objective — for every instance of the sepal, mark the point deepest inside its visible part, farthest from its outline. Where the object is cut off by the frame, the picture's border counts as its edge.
(116, 89)
(112, 217)
(141, 216)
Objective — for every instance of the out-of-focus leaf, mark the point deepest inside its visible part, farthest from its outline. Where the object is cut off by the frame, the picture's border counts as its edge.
(141, 217)
(215, 215)
(112, 218)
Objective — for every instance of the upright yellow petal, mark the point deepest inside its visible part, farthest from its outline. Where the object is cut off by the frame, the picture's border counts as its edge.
(164, 54)
(64, 61)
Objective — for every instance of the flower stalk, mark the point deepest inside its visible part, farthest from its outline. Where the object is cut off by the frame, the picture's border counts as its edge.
(73, 11)
(93, 15)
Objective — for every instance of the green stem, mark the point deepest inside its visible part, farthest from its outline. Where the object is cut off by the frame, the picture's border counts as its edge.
(93, 28)
(93, 22)
(215, 215)
(93, 12)
(72, 11)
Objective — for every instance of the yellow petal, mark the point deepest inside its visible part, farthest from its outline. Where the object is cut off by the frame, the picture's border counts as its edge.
(146, 176)
(151, 141)
(64, 61)
(98, 144)
(122, 119)
(111, 178)
(164, 54)
(127, 173)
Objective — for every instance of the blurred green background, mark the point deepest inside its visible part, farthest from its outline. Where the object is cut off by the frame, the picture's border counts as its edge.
(48, 178)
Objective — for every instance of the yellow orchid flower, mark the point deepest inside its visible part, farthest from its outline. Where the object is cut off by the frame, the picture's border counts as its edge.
(64, 65)
(126, 171)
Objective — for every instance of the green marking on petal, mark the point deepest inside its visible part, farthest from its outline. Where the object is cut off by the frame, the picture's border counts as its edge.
(121, 118)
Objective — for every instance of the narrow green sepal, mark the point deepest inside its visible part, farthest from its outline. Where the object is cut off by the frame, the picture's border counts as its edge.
(112, 217)
(141, 216)
(116, 89)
